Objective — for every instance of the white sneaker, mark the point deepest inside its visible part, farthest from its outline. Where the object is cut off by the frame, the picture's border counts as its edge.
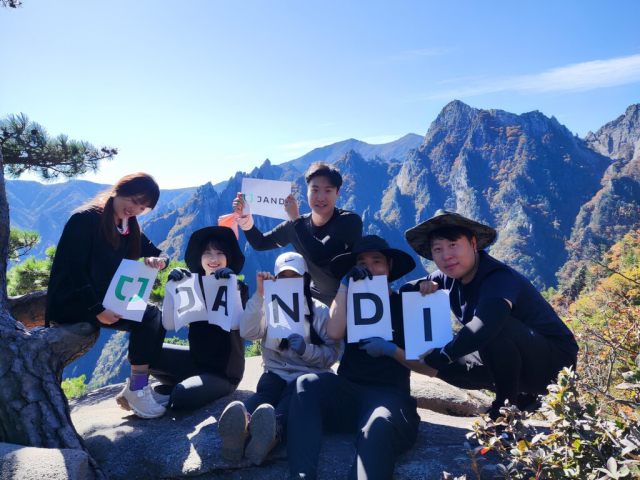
(141, 402)
(160, 398)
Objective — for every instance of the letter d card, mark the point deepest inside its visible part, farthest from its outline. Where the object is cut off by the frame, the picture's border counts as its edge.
(368, 309)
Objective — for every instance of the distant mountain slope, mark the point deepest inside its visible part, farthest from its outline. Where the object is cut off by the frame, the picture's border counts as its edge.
(527, 175)
(331, 153)
(619, 139)
(615, 208)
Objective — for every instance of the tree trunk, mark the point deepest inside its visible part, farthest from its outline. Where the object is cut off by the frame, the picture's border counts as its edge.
(29, 309)
(33, 408)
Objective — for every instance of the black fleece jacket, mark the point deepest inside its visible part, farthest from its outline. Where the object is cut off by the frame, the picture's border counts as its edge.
(83, 267)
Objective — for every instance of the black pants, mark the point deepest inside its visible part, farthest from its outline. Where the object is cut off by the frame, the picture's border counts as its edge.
(193, 386)
(275, 391)
(517, 360)
(145, 337)
(386, 422)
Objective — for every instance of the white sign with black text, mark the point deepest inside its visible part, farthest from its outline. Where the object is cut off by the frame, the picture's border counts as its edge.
(284, 306)
(427, 322)
(368, 309)
(266, 197)
(222, 300)
(186, 300)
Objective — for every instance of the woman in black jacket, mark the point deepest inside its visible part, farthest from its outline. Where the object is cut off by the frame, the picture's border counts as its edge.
(96, 238)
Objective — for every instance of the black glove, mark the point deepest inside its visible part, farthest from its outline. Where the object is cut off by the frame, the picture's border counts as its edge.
(177, 274)
(357, 273)
(223, 273)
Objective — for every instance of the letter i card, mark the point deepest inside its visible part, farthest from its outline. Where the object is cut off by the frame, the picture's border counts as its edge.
(427, 322)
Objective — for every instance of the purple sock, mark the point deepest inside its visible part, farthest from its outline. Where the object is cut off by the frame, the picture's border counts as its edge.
(138, 379)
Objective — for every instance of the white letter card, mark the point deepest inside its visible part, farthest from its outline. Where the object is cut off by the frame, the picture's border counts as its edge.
(427, 322)
(129, 290)
(284, 305)
(368, 309)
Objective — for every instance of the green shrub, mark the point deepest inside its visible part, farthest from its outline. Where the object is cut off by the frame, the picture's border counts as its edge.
(581, 442)
(30, 275)
(74, 387)
(254, 349)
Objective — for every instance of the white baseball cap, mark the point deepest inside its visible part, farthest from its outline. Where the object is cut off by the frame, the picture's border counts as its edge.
(291, 261)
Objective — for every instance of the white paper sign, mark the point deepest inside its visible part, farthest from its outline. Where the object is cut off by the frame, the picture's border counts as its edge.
(427, 322)
(129, 290)
(221, 300)
(187, 300)
(368, 309)
(266, 197)
(284, 304)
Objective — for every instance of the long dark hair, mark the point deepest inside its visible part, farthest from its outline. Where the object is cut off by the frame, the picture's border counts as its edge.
(139, 185)
(315, 338)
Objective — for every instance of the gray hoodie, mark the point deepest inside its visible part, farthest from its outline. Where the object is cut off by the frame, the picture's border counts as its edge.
(287, 364)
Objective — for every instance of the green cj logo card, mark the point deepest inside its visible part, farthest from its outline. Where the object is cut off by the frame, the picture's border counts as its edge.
(129, 290)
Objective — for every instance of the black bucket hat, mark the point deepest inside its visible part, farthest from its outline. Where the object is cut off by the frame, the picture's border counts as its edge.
(403, 263)
(419, 237)
(223, 234)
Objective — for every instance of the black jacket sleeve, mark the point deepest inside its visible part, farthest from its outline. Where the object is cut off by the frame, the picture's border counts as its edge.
(276, 238)
(491, 316)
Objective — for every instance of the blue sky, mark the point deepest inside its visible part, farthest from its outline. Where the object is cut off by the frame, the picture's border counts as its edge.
(195, 91)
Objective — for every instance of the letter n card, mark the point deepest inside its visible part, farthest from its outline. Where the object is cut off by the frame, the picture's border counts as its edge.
(284, 305)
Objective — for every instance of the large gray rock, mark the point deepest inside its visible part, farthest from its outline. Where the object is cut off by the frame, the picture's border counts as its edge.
(184, 444)
(439, 396)
(30, 463)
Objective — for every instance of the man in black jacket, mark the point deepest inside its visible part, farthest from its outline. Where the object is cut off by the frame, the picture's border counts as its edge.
(318, 236)
(512, 341)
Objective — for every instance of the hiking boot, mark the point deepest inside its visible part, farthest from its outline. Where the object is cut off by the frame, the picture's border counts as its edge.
(233, 430)
(264, 429)
(140, 401)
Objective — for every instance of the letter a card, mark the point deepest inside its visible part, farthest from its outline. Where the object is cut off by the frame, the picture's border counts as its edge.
(187, 300)
(284, 305)
(368, 309)
(427, 322)
(129, 290)
(221, 299)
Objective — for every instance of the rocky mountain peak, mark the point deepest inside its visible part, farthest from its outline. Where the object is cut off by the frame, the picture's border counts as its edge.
(620, 138)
